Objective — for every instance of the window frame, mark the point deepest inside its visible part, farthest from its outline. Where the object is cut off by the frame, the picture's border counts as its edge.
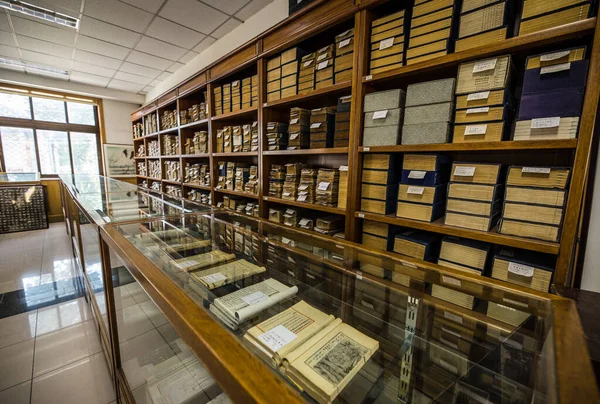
(67, 127)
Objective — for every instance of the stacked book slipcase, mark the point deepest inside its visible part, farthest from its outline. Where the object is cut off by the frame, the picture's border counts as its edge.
(484, 23)
(379, 188)
(322, 127)
(538, 15)
(417, 244)
(341, 137)
(387, 43)
(431, 30)
(299, 129)
(384, 114)
(344, 56)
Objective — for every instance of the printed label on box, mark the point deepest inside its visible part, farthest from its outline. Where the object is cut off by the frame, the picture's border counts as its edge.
(520, 269)
(416, 190)
(542, 123)
(536, 170)
(548, 57)
(462, 171)
(478, 110)
(380, 114)
(417, 175)
(485, 65)
(386, 43)
(484, 95)
(475, 130)
(555, 68)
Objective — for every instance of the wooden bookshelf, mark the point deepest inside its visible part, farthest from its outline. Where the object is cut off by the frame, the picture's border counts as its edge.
(313, 206)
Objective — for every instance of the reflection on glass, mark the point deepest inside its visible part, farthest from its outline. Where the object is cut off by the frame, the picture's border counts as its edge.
(54, 152)
(14, 106)
(81, 113)
(85, 153)
(19, 150)
(49, 110)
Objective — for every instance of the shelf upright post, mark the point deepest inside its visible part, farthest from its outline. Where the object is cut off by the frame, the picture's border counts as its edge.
(211, 145)
(263, 170)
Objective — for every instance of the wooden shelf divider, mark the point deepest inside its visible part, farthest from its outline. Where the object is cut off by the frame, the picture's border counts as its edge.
(313, 206)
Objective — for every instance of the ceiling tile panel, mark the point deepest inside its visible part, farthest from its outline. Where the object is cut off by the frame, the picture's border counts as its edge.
(107, 32)
(4, 25)
(174, 33)
(133, 78)
(164, 76)
(86, 78)
(44, 47)
(174, 67)
(147, 88)
(251, 8)
(160, 48)
(91, 58)
(118, 13)
(227, 6)
(38, 58)
(93, 69)
(140, 70)
(148, 60)
(6, 38)
(125, 85)
(93, 45)
(62, 36)
(148, 5)
(204, 44)
(68, 7)
(9, 52)
(224, 29)
(188, 56)
(193, 14)
(155, 83)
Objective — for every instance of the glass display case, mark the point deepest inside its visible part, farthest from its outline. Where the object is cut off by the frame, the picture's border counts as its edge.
(219, 302)
(23, 204)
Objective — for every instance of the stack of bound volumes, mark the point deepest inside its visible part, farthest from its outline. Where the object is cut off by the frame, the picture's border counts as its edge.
(534, 202)
(250, 92)
(417, 244)
(431, 30)
(254, 136)
(330, 225)
(387, 43)
(327, 188)
(429, 110)
(276, 215)
(468, 206)
(422, 190)
(552, 96)
(376, 235)
(539, 15)
(322, 127)
(380, 177)
(277, 135)
(226, 98)
(197, 144)
(306, 74)
(529, 269)
(274, 78)
(306, 188)
(299, 129)
(246, 137)
(384, 114)
(324, 66)
(292, 180)
(237, 139)
(282, 74)
(344, 55)
(251, 185)
(341, 137)
(484, 23)
(225, 274)
(343, 188)
(276, 180)
(218, 96)
(482, 116)
(242, 175)
(290, 217)
(170, 145)
(236, 95)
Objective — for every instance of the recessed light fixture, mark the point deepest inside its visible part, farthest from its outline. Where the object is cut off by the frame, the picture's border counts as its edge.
(39, 12)
(33, 69)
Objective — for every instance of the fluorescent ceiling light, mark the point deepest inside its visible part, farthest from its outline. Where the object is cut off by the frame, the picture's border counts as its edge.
(79, 99)
(33, 69)
(39, 12)
(46, 94)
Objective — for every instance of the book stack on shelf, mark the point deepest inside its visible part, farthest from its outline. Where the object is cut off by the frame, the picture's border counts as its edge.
(242, 175)
(341, 137)
(254, 136)
(429, 111)
(197, 144)
(322, 127)
(140, 151)
(197, 174)
(172, 170)
(168, 120)
(431, 30)
(417, 244)
(153, 148)
(199, 196)
(484, 23)
(343, 187)
(552, 95)
(468, 210)
(292, 180)
(329, 225)
(534, 202)
(150, 125)
(299, 129)
(195, 113)
(277, 135)
(384, 114)
(375, 235)
(344, 56)
(422, 190)
(306, 188)
(173, 190)
(379, 189)
(218, 100)
(142, 169)
(538, 15)
(327, 188)
(291, 217)
(220, 143)
(154, 169)
(387, 43)
(276, 180)
(530, 269)
(282, 74)
(276, 215)
(251, 185)
(236, 96)
(170, 145)
(324, 66)
(138, 130)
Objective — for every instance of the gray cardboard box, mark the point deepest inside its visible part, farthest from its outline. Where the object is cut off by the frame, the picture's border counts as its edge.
(381, 136)
(393, 117)
(381, 100)
(430, 92)
(428, 133)
(429, 113)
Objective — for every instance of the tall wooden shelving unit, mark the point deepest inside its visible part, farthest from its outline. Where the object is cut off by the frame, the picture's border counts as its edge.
(309, 29)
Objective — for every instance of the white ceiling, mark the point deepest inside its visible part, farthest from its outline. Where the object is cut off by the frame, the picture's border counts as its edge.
(128, 45)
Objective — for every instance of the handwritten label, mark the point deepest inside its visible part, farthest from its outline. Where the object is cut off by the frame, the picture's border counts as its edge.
(453, 317)
(294, 136)
(475, 130)
(343, 168)
(415, 190)
(344, 43)
(323, 186)
(451, 281)
(543, 123)
(548, 57)
(478, 110)
(277, 337)
(386, 43)
(555, 68)
(380, 114)
(316, 125)
(322, 65)
(520, 269)
(302, 187)
(462, 171)
(286, 194)
(214, 278)
(307, 63)
(321, 57)
(484, 65)
(369, 77)
(484, 95)
(535, 170)
(294, 121)
(417, 175)
(302, 198)
(303, 222)
(254, 298)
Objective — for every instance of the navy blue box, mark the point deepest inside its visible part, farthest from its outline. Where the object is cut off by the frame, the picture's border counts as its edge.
(575, 77)
(431, 178)
(431, 241)
(562, 103)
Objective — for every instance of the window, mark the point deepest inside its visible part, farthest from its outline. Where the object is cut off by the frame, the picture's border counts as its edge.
(52, 136)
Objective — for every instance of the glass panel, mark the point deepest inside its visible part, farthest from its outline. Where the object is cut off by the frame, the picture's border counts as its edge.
(14, 106)
(49, 110)
(19, 150)
(54, 152)
(81, 113)
(85, 153)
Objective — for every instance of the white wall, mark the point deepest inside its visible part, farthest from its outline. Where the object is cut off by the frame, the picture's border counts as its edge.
(117, 121)
(590, 279)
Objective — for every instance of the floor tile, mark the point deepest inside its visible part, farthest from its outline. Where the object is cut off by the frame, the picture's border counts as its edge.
(62, 315)
(131, 322)
(177, 345)
(86, 381)
(140, 395)
(153, 313)
(137, 292)
(19, 394)
(17, 328)
(68, 345)
(16, 363)
(122, 299)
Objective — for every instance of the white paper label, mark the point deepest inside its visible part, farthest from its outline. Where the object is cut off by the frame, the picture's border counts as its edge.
(308, 63)
(520, 269)
(294, 121)
(462, 171)
(451, 281)
(214, 278)
(380, 114)
(323, 49)
(316, 125)
(290, 259)
(272, 147)
(322, 65)
(367, 304)
(344, 43)
(303, 222)
(285, 240)
(386, 43)
(555, 68)
(359, 275)
(415, 190)
(302, 187)
(478, 110)
(302, 198)
(548, 57)
(294, 135)
(484, 65)
(542, 123)
(366, 149)
(536, 170)
(453, 317)
(254, 298)
(450, 368)
(361, 216)
(277, 337)
(475, 130)
(369, 77)
(343, 168)
(321, 57)
(417, 175)
(323, 186)
(484, 95)
(290, 211)
(286, 194)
